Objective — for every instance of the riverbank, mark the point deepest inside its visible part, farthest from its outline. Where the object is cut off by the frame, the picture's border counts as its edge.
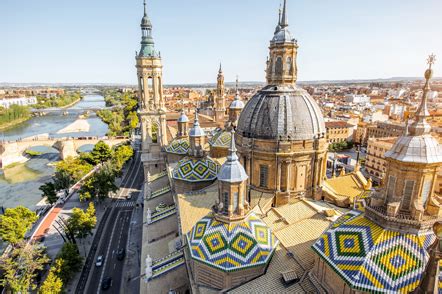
(14, 123)
(71, 104)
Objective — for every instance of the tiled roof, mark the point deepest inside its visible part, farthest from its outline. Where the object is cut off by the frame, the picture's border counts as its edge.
(196, 170)
(231, 246)
(221, 138)
(337, 124)
(349, 186)
(178, 146)
(370, 258)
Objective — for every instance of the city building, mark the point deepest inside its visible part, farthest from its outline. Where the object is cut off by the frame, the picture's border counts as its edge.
(22, 101)
(375, 162)
(339, 131)
(357, 99)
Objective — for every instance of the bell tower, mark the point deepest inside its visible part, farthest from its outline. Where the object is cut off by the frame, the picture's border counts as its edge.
(220, 99)
(281, 63)
(152, 109)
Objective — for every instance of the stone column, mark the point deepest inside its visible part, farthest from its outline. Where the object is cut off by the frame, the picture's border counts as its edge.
(279, 176)
(288, 174)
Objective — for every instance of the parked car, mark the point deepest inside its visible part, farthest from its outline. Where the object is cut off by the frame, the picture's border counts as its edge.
(99, 261)
(121, 253)
(106, 283)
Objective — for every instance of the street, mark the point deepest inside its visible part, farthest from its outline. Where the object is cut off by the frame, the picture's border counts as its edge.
(112, 235)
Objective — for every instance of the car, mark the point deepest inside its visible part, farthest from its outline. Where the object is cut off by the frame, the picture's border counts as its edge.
(121, 253)
(99, 261)
(106, 283)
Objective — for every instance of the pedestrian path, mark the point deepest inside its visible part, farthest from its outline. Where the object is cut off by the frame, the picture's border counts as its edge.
(124, 203)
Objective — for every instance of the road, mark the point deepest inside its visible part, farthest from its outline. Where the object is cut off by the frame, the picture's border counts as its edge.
(112, 235)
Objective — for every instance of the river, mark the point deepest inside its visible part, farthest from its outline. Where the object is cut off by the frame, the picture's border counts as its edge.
(19, 184)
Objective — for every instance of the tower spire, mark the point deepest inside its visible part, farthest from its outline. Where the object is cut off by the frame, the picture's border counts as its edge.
(220, 68)
(284, 21)
(420, 126)
(145, 9)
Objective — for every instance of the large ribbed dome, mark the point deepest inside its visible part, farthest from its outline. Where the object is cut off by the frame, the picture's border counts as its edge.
(282, 112)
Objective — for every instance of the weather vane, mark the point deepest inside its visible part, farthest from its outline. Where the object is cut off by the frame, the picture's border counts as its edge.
(431, 60)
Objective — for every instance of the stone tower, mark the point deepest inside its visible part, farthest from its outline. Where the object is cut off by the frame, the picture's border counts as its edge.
(281, 64)
(150, 92)
(220, 99)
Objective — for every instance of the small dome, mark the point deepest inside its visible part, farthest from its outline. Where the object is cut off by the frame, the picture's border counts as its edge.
(282, 113)
(178, 146)
(145, 22)
(236, 104)
(196, 130)
(232, 170)
(231, 246)
(419, 149)
(183, 118)
(283, 36)
(195, 170)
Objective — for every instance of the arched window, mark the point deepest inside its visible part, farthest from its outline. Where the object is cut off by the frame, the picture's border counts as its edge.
(278, 66)
(289, 66)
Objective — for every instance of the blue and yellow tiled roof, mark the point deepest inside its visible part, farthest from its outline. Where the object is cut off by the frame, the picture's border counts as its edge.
(178, 146)
(231, 246)
(371, 258)
(196, 170)
(221, 138)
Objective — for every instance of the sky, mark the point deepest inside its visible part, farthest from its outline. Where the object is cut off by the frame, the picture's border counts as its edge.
(94, 41)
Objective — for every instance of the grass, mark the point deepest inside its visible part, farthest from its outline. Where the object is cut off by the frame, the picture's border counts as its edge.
(13, 123)
(33, 153)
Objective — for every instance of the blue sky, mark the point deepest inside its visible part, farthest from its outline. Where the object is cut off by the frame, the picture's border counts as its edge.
(95, 40)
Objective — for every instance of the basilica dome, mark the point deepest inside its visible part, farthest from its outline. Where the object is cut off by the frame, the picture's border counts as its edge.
(282, 112)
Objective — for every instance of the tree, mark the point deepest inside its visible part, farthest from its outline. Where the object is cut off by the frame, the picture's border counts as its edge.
(53, 283)
(15, 222)
(81, 223)
(100, 184)
(63, 181)
(75, 167)
(101, 152)
(72, 261)
(133, 120)
(21, 266)
(121, 155)
(49, 192)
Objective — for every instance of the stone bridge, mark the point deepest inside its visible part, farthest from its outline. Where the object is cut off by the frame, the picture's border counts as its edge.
(13, 151)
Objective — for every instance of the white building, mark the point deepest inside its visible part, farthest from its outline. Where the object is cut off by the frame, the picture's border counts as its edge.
(22, 101)
(357, 99)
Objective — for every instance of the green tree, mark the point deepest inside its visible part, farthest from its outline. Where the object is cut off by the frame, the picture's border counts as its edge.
(121, 155)
(75, 167)
(101, 152)
(100, 184)
(15, 222)
(49, 192)
(63, 181)
(72, 261)
(133, 120)
(81, 223)
(21, 266)
(53, 283)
